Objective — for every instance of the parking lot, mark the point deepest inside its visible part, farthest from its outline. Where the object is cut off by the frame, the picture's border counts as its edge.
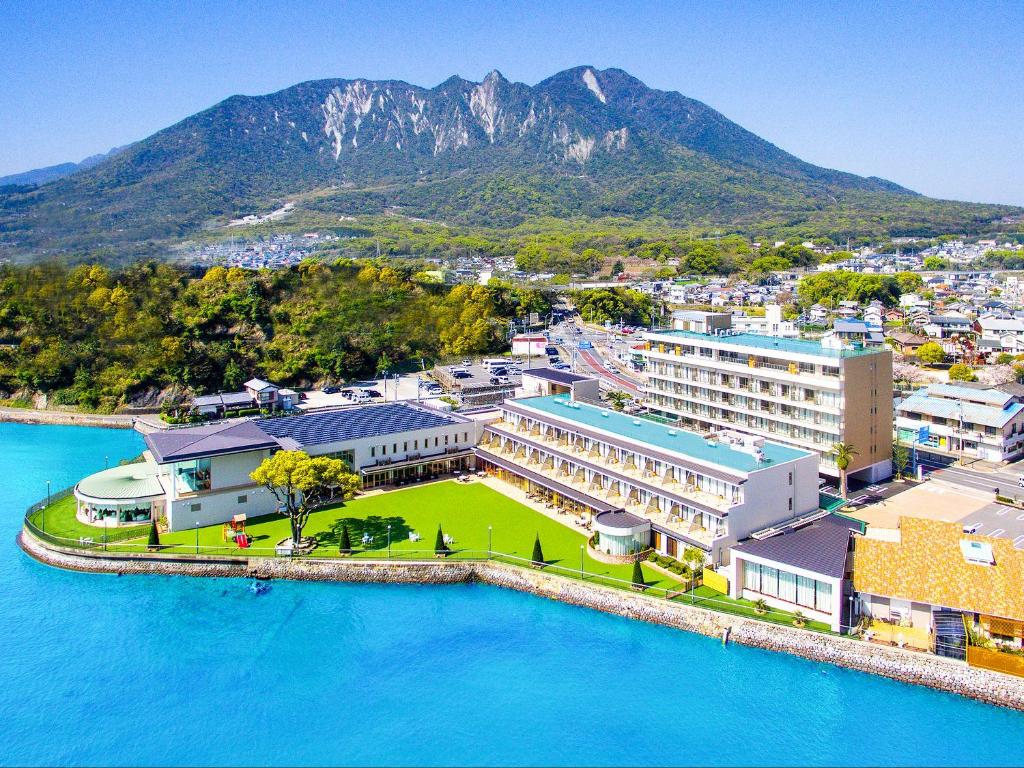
(882, 506)
(408, 387)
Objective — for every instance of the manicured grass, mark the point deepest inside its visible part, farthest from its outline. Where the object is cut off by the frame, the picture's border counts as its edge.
(59, 520)
(741, 607)
(463, 511)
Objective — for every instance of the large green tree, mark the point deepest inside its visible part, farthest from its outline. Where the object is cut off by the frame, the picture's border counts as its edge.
(302, 484)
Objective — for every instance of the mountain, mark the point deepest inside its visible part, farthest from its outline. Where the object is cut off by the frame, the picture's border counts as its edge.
(38, 176)
(583, 143)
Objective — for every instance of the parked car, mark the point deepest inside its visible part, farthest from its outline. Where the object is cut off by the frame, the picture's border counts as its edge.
(373, 393)
(332, 390)
(494, 380)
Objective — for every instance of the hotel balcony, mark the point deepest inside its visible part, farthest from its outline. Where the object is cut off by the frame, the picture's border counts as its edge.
(665, 483)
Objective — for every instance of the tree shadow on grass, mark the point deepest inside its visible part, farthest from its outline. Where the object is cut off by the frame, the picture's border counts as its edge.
(374, 525)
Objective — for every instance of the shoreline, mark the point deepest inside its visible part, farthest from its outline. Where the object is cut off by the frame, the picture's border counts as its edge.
(904, 666)
(67, 418)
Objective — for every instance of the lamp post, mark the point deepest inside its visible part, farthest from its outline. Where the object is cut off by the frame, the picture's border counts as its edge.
(105, 533)
(197, 537)
(581, 561)
(389, 541)
(42, 520)
(489, 531)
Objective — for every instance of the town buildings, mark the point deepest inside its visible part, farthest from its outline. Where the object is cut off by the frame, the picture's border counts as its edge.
(807, 394)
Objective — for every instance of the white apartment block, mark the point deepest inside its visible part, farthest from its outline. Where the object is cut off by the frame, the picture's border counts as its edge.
(807, 394)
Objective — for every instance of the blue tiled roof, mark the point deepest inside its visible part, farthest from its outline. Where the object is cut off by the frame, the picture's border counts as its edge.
(775, 344)
(986, 415)
(666, 438)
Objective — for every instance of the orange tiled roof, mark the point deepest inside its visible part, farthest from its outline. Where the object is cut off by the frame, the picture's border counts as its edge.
(928, 566)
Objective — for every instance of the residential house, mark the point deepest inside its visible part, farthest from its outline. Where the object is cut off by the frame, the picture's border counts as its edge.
(1000, 334)
(930, 572)
(971, 420)
(906, 343)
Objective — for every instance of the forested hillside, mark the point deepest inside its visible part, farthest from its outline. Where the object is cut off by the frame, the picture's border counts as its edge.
(98, 338)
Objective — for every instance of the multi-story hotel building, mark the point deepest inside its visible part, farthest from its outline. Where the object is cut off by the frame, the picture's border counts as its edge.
(655, 484)
(806, 394)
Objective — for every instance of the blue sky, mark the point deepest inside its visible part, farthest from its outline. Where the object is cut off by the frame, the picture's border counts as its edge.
(927, 94)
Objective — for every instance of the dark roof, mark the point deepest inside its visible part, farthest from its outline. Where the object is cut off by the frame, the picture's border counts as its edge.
(223, 398)
(620, 518)
(352, 424)
(551, 374)
(171, 445)
(819, 547)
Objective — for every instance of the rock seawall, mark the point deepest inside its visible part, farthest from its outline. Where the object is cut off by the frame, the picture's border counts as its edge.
(906, 666)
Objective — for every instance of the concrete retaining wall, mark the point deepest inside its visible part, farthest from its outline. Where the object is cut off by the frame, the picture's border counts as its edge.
(36, 416)
(906, 666)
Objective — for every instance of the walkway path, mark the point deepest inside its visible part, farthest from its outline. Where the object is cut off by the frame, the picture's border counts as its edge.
(39, 416)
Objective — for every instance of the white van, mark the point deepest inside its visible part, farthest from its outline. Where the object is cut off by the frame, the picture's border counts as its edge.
(495, 362)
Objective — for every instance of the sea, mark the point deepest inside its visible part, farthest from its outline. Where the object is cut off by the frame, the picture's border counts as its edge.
(157, 670)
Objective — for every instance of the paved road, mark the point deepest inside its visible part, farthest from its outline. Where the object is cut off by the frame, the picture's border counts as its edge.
(597, 365)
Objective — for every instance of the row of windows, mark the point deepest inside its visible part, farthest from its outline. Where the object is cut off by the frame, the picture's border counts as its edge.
(709, 485)
(718, 416)
(739, 358)
(717, 379)
(799, 590)
(382, 450)
(743, 402)
(704, 483)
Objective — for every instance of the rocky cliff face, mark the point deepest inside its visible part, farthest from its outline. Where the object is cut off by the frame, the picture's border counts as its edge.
(460, 114)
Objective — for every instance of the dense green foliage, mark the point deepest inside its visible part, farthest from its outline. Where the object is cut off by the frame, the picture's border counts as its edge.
(829, 288)
(613, 305)
(98, 338)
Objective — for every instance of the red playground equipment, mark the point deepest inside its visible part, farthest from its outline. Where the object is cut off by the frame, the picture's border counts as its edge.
(234, 530)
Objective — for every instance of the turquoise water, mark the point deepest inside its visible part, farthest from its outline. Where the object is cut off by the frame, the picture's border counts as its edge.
(161, 671)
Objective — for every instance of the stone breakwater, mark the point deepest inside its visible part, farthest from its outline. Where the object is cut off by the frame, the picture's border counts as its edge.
(906, 666)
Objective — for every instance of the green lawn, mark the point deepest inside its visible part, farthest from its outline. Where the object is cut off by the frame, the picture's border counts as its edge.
(463, 511)
(59, 520)
(716, 600)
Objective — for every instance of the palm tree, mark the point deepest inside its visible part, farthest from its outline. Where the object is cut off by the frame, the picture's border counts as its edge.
(844, 453)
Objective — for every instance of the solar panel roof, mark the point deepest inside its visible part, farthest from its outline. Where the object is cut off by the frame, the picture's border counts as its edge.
(353, 423)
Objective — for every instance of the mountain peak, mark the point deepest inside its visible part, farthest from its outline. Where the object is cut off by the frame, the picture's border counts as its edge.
(583, 142)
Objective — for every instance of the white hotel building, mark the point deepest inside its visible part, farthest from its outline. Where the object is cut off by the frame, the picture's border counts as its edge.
(806, 394)
(658, 485)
